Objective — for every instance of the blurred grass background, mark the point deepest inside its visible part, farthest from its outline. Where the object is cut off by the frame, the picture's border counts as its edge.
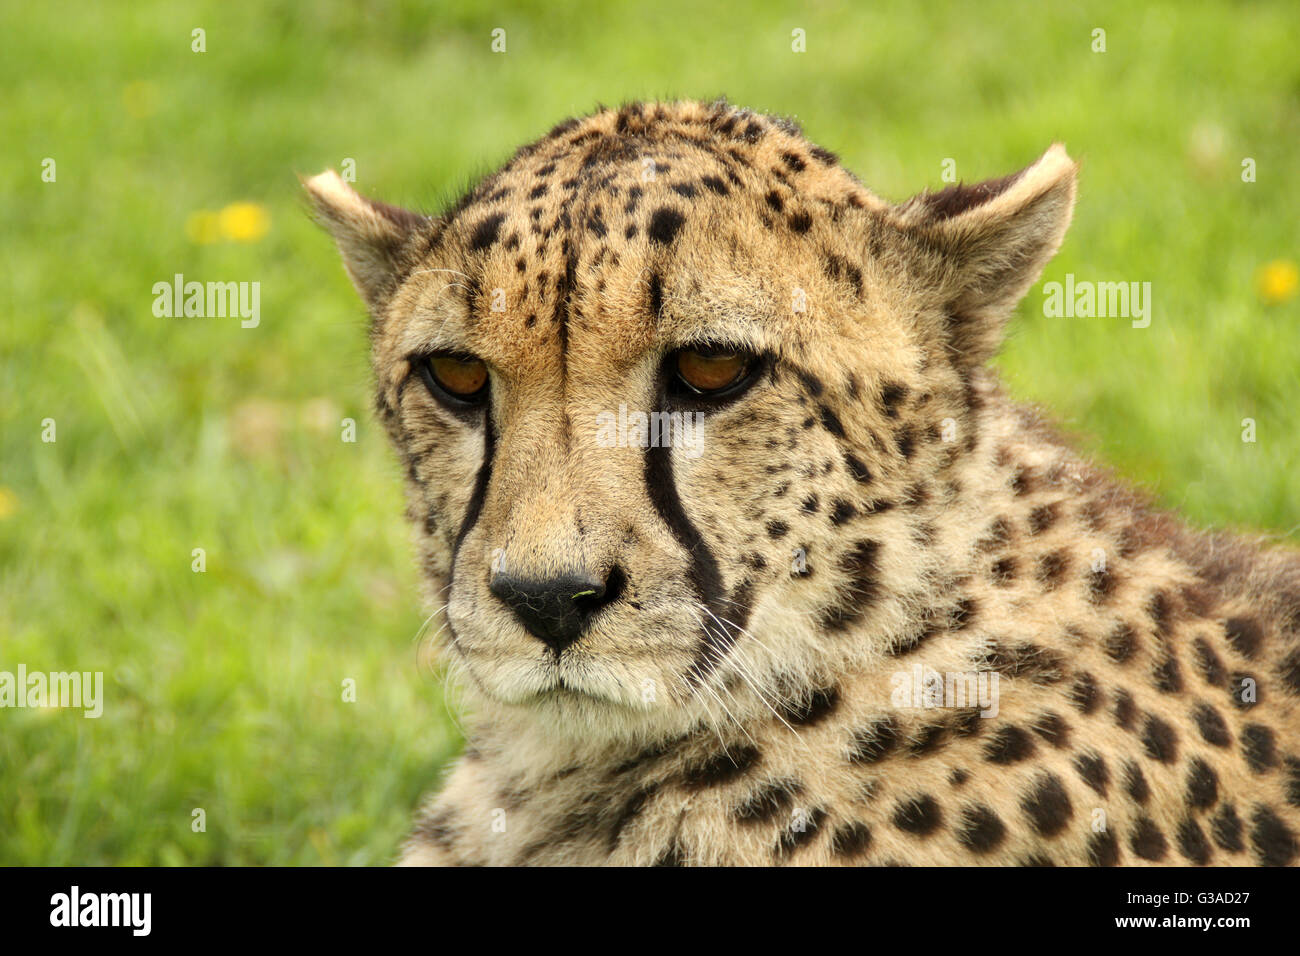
(223, 689)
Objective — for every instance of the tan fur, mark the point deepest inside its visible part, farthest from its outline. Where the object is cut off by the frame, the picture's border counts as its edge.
(872, 506)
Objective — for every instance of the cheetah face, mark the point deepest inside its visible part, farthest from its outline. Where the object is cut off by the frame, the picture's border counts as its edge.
(663, 385)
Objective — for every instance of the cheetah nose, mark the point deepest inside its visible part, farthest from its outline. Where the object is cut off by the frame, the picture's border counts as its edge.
(556, 611)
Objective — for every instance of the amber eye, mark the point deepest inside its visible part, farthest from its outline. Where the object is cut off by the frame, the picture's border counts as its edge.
(457, 378)
(709, 371)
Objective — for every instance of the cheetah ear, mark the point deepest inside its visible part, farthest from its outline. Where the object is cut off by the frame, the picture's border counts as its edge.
(981, 247)
(371, 235)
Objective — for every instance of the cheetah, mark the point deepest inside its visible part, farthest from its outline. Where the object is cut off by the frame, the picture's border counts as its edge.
(744, 557)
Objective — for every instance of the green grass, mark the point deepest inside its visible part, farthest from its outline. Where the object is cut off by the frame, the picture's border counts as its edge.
(224, 689)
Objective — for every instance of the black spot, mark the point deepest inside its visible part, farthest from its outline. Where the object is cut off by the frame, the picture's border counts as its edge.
(538, 191)
(963, 614)
(1210, 723)
(905, 440)
(438, 829)
(851, 840)
(811, 383)
(1103, 849)
(1038, 860)
(1047, 806)
(958, 777)
(656, 295)
(861, 566)
(842, 511)
(1244, 634)
(812, 709)
(800, 222)
(981, 830)
(485, 233)
(684, 189)
(768, 803)
(1292, 781)
(874, 743)
(1009, 745)
(1211, 667)
(1125, 710)
(721, 768)
(1147, 841)
(1084, 693)
(664, 224)
(891, 397)
(774, 201)
(1004, 571)
(928, 740)
(801, 832)
(1101, 585)
(1258, 747)
(1052, 567)
(1202, 785)
(1192, 843)
(1092, 770)
(715, 184)
(1121, 643)
(1226, 829)
(857, 469)
(920, 815)
(830, 421)
(1167, 675)
(1160, 609)
(824, 156)
(1289, 672)
(1042, 518)
(1160, 741)
(998, 534)
(1274, 843)
(810, 504)
(1135, 783)
(794, 161)
(1052, 729)
(1025, 660)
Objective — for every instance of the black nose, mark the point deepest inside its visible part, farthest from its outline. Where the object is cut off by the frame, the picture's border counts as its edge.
(556, 611)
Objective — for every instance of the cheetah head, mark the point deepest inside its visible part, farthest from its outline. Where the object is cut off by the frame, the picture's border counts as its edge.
(673, 394)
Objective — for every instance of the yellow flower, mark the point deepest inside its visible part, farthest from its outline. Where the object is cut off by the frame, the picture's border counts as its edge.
(203, 227)
(1277, 281)
(8, 502)
(244, 221)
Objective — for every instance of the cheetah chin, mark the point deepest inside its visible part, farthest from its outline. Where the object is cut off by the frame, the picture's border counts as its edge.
(743, 556)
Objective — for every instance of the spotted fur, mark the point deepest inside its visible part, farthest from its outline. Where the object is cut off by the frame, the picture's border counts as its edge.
(873, 505)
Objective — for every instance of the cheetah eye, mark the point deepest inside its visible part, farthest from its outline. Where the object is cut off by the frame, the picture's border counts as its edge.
(711, 373)
(455, 379)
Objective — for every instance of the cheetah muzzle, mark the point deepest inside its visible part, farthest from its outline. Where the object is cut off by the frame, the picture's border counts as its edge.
(745, 558)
